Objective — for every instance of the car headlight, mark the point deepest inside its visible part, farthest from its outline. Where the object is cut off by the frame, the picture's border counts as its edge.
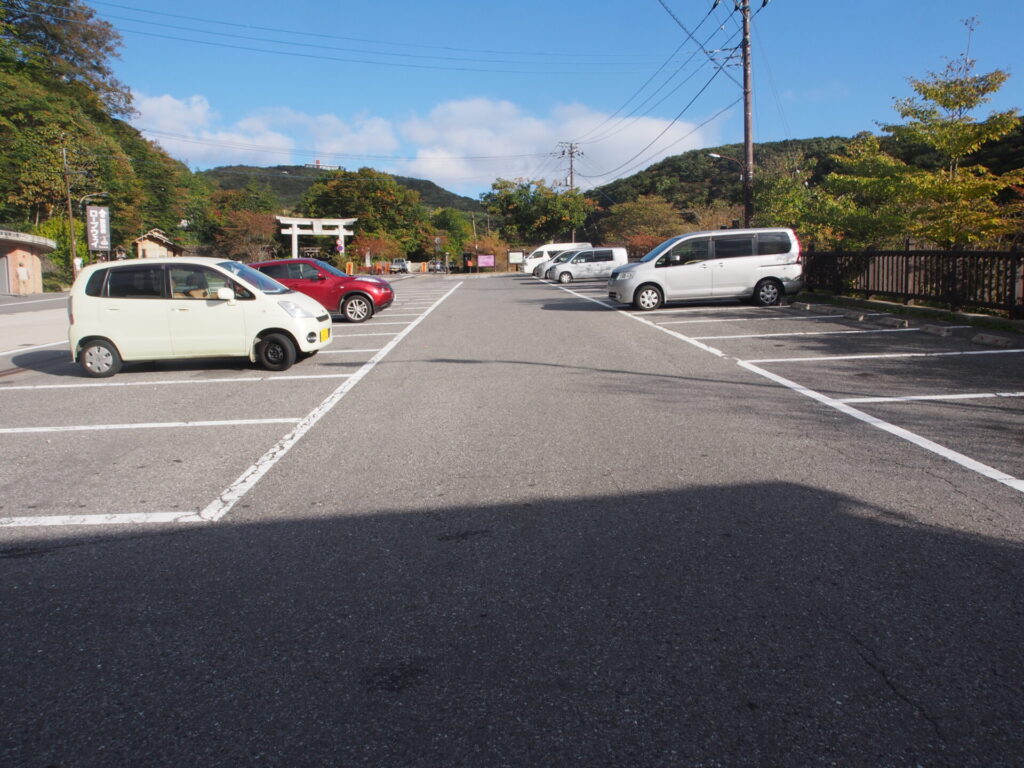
(294, 309)
(623, 276)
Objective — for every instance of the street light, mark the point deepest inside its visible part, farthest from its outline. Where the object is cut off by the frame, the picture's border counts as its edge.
(748, 190)
(83, 198)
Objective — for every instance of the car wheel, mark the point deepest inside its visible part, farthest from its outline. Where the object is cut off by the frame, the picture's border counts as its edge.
(565, 277)
(767, 293)
(276, 352)
(356, 309)
(647, 298)
(99, 359)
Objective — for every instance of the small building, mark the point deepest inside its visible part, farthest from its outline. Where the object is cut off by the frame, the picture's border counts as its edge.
(21, 266)
(155, 244)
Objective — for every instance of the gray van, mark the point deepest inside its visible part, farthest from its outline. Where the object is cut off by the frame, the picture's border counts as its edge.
(761, 265)
(592, 263)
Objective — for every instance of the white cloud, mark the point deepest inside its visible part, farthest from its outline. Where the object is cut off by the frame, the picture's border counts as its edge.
(185, 128)
(461, 145)
(464, 145)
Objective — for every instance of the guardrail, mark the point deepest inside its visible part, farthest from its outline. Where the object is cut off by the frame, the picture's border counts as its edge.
(957, 279)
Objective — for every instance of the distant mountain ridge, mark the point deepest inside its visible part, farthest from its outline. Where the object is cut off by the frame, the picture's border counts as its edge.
(290, 182)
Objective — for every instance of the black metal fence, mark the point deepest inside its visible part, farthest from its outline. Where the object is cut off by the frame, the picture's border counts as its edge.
(957, 279)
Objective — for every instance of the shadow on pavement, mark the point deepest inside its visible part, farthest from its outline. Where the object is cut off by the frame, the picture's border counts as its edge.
(772, 625)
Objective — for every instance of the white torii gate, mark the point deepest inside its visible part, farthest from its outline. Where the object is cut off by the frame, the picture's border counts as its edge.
(336, 228)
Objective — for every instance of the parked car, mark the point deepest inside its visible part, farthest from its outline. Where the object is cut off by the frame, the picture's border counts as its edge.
(761, 265)
(541, 269)
(437, 265)
(399, 265)
(160, 309)
(588, 264)
(356, 297)
(546, 253)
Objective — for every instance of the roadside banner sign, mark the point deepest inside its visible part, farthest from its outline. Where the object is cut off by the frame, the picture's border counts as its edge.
(97, 227)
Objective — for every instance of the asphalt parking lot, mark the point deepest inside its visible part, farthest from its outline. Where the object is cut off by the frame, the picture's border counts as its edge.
(505, 523)
(943, 387)
(222, 416)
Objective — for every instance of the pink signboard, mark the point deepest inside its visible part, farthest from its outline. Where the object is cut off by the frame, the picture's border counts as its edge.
(486, 259)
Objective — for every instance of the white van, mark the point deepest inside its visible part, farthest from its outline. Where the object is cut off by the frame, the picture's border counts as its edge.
(587, 264)
(159, 309)
(541, 269)
(546, 252)
(757, 264)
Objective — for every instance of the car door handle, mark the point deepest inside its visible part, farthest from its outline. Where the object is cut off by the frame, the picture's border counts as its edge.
(180, 309)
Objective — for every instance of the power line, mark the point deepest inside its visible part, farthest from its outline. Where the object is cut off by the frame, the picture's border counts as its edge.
(667, 127)
(576, 63)
(314, 153)
(616, 171)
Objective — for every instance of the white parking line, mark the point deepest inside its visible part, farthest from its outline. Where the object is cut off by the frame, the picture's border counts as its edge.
(237, 490)
(345, 351)
(29, 349)
(808, 333)
(886, 356)
(151, 425)
(958, 458)
(361, 335)
(922, 442)
(747, 319)
(35, 301)
(914, 398)
(165, 382)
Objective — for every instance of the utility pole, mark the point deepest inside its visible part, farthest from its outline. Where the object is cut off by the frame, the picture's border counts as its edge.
(748, 122)
(71, 216)
(571, 149)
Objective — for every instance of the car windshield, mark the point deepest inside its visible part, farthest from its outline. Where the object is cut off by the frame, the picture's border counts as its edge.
(331, 268)
(564, 256)
(254, 278)
(656, 250)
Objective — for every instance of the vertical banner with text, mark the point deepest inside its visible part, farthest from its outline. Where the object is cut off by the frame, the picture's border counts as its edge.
(97, 227)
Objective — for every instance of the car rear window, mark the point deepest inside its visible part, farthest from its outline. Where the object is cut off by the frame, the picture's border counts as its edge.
(769, 243)
(136, 282)
(734, 246)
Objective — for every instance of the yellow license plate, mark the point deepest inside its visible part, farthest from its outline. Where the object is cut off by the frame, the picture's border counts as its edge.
(325, 334)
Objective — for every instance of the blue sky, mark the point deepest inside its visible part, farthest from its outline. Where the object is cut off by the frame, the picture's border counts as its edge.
(462, 93)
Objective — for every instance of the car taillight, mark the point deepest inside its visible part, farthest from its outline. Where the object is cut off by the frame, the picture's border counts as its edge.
(799, 249)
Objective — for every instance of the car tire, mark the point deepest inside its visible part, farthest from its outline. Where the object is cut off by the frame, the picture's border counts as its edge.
(768, 292)
(565, 277)
(276, 352)
(356, 309)
(647, 297)
(99, 359)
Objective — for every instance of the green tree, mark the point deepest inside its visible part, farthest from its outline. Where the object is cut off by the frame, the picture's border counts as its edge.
(454, 230)
(952, 205)
(64, 42)
(647, 216)
(381, 205)
(247, 235)
(533, 212)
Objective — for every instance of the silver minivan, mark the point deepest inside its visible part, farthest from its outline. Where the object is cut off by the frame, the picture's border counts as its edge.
(160, 309)
(546, 253)
(761, 265)
(593, 263)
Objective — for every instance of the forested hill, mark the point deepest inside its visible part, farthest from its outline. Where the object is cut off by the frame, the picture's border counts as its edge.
(694, 179)
(289, 182)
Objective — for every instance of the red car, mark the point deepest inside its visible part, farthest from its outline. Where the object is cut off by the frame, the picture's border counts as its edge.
(356, 297)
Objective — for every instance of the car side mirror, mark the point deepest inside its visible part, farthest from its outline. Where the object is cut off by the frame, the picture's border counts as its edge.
(226, 294)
